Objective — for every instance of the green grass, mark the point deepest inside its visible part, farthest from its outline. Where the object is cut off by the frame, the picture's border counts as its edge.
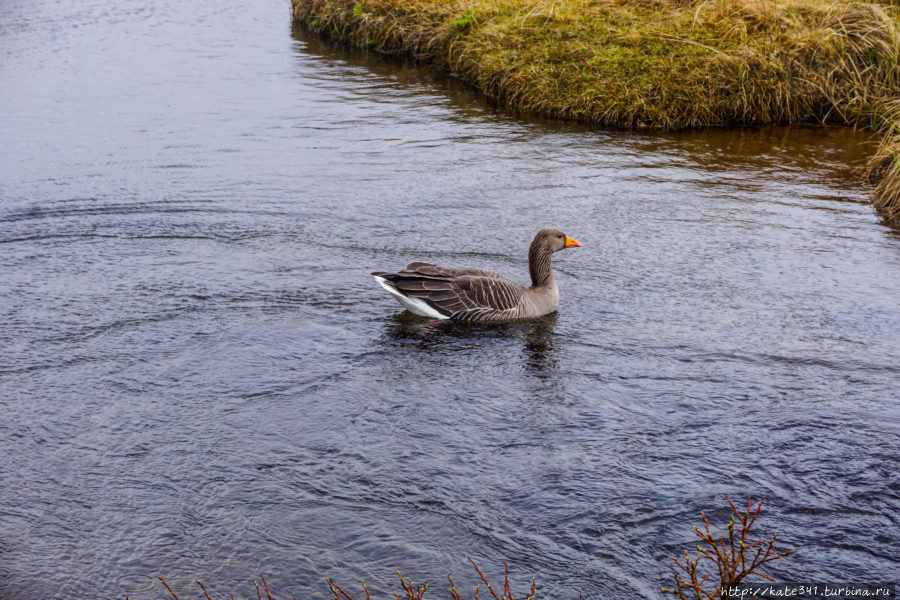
(667, 64)
(466, 20)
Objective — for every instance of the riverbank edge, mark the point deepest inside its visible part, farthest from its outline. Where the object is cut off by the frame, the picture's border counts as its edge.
(665, 64)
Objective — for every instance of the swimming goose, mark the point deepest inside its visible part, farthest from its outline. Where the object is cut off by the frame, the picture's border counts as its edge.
(475, 295)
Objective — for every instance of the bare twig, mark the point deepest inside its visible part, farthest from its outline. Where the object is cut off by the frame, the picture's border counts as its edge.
(205, 593)
(483, 578)
(453, 593)
(168, 588)
(731, 556)
(335, 588)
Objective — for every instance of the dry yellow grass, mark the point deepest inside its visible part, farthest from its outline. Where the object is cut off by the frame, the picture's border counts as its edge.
(655, 63)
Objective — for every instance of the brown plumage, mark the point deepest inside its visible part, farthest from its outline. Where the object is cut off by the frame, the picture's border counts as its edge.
(475, 295)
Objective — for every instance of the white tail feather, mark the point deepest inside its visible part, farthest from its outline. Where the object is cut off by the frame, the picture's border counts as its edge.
(417, 306)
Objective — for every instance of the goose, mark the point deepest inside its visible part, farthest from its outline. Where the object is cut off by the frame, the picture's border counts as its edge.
(463, 294)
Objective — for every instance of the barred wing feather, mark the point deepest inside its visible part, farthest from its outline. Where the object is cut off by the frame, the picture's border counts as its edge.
(460, 294)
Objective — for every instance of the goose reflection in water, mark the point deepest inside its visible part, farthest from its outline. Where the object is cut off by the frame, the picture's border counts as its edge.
(433, 335)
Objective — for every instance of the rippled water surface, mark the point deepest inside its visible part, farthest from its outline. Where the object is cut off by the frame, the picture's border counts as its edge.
(200, 380)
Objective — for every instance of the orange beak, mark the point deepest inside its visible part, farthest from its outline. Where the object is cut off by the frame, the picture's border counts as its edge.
(570, 243)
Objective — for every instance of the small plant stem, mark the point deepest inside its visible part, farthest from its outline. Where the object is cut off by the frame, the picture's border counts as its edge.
(483, 578)
(205, 593)
(335, 588)
(168, 588)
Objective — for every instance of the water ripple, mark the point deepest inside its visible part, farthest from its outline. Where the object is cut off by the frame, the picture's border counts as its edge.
(201, 380)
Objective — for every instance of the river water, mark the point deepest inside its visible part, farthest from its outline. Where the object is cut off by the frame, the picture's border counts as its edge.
(200, 380)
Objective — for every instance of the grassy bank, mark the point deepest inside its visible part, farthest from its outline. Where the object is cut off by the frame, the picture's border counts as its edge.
(655, 63)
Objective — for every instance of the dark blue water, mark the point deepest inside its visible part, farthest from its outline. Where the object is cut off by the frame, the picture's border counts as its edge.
(200, 380)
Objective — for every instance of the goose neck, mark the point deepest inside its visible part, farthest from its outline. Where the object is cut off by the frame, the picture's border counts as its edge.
(540, 265)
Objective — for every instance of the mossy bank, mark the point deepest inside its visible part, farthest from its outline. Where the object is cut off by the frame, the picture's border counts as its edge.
(655, 63)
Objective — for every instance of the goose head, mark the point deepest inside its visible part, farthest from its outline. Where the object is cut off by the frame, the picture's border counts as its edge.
(554, 240)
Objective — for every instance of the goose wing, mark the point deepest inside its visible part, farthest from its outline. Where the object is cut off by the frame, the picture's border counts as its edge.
(461, 294)
(425, 269)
